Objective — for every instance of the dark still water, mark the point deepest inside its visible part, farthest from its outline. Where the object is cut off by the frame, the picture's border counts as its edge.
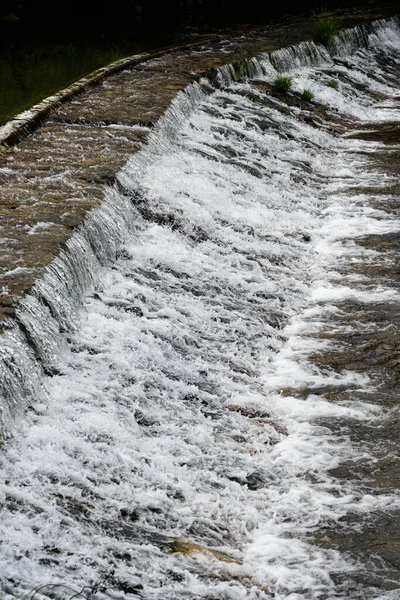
(31, 73)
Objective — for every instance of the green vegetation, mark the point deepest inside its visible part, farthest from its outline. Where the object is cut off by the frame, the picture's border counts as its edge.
(282, 84)
(333, 84)
(307, 95)
(324, 29)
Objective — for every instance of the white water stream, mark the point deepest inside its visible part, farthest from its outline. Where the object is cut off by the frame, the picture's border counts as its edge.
(172, 411)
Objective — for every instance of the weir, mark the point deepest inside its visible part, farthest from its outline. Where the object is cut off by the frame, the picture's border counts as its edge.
(206, 369)
(52, 181)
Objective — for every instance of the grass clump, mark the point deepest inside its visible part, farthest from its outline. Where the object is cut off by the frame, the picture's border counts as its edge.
(307, 95)
(324, 29)
(282, 84)
(333, 84)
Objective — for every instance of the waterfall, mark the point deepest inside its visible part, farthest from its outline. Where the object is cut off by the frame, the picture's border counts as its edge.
(171, 436)
(305, 54)
(51, 308)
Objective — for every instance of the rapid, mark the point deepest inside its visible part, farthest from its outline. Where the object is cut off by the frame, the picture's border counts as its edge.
(187, 419)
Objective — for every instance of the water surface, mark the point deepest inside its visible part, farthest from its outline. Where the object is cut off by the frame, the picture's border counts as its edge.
(28, 74)
(198, 439)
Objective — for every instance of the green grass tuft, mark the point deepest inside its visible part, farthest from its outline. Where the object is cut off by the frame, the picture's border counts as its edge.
(333, 84)
(307, 95)
(324, 29)
(282, 84)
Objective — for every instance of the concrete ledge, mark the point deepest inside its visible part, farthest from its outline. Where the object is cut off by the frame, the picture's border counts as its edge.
(26, 122)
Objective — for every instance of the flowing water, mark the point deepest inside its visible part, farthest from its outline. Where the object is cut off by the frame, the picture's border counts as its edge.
(207, 430)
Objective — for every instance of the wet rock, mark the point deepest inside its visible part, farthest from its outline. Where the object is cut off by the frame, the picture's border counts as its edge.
(249, 411)
(144, 419)
(78, 509)
(212, 533)
(129, 588)
(130, 514)
(178, 545)
(254, 481)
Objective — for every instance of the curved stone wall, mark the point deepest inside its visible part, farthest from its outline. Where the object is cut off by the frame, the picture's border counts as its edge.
(56, 157)
(54, 178)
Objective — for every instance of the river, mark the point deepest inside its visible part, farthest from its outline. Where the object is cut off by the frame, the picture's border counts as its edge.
(223, 422)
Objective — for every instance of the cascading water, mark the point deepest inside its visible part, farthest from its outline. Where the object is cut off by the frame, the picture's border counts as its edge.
(171, 451)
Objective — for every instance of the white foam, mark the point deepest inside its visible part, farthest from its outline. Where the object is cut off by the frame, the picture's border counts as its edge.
(178, 408)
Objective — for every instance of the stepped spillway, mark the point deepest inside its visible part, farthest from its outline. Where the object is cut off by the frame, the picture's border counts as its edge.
(221, 423)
